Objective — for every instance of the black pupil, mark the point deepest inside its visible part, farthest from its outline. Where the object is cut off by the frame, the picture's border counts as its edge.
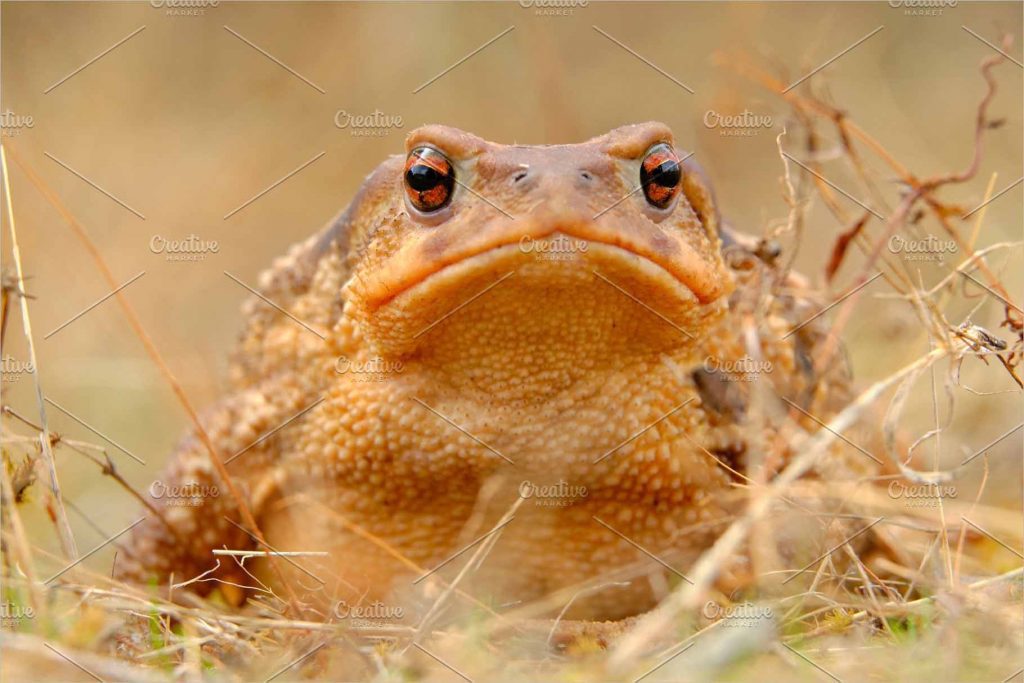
(665, 174)
(421, 177)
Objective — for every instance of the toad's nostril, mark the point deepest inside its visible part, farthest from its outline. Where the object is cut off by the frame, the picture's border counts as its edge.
(519, 176)
(586, 175)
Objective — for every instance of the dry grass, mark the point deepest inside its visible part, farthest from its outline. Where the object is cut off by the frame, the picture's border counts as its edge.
(935, 595)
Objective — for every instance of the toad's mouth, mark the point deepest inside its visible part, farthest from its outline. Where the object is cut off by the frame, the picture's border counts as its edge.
(433, 254)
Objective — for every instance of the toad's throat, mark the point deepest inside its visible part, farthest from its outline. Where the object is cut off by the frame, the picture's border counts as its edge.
(532, 326)
(553, 239)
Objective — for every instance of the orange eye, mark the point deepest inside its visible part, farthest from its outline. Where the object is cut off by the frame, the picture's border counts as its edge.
(429, 179)
(660, 174)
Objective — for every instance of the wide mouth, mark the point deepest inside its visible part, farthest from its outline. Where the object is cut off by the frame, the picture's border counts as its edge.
(431, 254)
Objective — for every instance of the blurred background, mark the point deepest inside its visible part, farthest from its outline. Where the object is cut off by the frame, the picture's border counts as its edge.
(192, 115)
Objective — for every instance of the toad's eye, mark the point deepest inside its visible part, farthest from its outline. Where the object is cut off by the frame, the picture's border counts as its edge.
(429, 179)
(660, 174)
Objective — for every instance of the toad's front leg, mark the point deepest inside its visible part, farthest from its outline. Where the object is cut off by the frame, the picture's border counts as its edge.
(190, 511)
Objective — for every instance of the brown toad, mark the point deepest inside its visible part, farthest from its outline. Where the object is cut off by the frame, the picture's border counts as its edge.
(549, 332)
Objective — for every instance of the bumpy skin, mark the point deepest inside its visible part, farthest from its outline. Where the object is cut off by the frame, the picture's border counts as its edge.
(608, 369)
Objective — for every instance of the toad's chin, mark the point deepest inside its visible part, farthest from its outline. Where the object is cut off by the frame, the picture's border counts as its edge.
(536, 296)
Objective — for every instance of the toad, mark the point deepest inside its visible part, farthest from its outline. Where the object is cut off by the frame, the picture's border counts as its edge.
(532, 365)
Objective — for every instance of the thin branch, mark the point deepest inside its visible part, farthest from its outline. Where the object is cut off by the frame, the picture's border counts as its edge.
(67, 537)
